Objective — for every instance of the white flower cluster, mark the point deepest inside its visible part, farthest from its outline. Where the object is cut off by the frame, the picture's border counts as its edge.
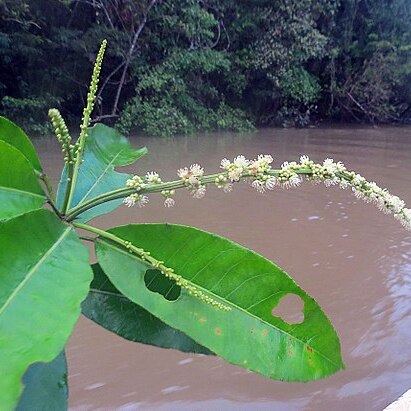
(152, 178)
(288, 178)
(259, 171)
(138, 184)
(241, 167)
(192, 180)
(332, 173)
(168, 200)
(262, 177)
(326, 172)
(221, 182)
(370, 192)
(135, 199)
(236, 169)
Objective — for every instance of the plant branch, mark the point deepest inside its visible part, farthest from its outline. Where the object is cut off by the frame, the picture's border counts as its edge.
(107, 79)
(152, 188)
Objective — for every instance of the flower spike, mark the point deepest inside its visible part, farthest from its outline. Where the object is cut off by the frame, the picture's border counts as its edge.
(262, 177)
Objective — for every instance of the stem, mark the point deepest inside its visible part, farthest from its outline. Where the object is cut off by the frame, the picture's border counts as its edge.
(53, 205)
(99, 232)
(49, 192)
(144, 255)
(67, 193)
(154, 188)
(126, 191)
(47, 183)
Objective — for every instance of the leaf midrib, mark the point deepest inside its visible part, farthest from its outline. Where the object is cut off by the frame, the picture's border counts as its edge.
(34, 269)
(228, 303)
(29, 193)
(109, 293)
(100, 177)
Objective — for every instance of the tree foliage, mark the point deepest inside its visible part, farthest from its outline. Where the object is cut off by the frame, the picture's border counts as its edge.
(178, 67)
(180, 287)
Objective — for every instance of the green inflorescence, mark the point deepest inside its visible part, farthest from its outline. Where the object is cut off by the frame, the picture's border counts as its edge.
(178, 279)
(62, 134)
(79, 146)
(91, 96)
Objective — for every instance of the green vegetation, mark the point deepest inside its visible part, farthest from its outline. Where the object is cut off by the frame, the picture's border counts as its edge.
(166, 285)
(188, 65)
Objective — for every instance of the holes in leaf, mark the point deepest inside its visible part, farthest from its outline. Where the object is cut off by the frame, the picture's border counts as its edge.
(290, 309)
(158, 283)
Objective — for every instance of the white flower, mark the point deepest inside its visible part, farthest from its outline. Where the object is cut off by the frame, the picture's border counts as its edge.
(196, 170)
(343, 184)
(330, 182)
(304, 159)
(270, 183)
(142, 201)
(265, 158)
(129, 201)
(134, 199)
(258, 185)
(404, 218)
(227, 188)
(191, 176)
(340, 166)
(225, 163)
(261, 164)
(358, 180)
(221, 183)
(235, 175)
(394, 203)
(293, 181)
(241, 162)
(237, 168)
(193, 180)
(183, 172)
(153, 178)
(199, 192)
(169, 202)
(358, 193)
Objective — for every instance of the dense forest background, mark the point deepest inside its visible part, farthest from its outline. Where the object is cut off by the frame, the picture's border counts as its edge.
(187, 65)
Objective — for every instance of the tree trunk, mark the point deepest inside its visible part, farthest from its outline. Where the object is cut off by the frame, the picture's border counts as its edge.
(130, 56)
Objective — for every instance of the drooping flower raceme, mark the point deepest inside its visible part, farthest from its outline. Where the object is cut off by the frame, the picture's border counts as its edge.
(263, 177)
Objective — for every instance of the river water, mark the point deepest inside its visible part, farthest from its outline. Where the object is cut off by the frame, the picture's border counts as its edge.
(355, 261)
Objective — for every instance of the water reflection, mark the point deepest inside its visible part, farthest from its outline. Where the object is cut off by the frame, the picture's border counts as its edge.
(355, 261)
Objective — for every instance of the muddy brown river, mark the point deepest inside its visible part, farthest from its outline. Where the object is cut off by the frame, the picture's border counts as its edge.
(355, 261)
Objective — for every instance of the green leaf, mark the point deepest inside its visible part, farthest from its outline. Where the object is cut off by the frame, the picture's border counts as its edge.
(45, 386)
(15, 136)
(251, 286)
(20, 190)
(106, 306)
(45, 274)
(105, 149)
